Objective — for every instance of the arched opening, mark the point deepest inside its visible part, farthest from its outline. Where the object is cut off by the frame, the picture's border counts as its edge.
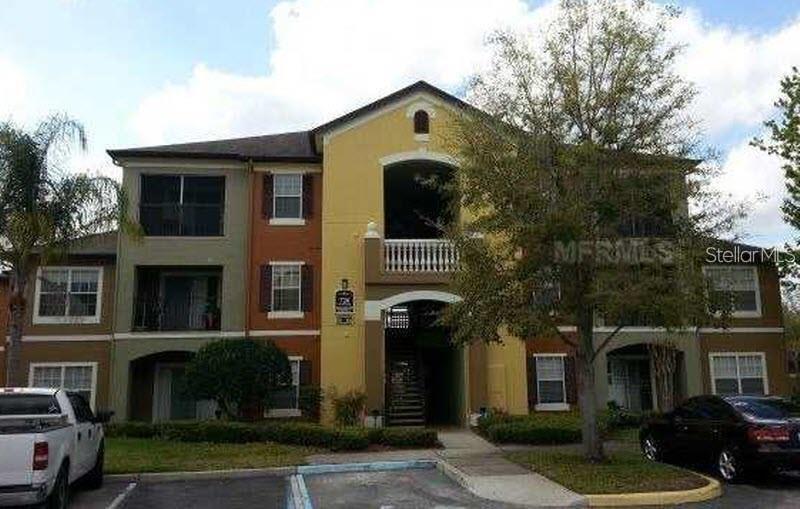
(416, 200)
(422, 123)
(159, 392)
(424, 372)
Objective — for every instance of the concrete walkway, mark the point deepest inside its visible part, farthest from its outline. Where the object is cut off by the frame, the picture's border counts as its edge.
(480, 467)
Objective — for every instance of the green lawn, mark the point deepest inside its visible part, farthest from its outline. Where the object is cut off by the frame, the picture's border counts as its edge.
(132, 455)
(627, 435)
(625, 472)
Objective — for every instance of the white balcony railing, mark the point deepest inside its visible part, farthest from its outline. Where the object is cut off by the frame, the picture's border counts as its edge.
(419, 255)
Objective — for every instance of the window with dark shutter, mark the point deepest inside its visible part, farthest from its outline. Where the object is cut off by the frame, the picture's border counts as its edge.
(532, 389)
(308, 196)
(570, 380)
(421, 122)
(266, 203)
(307, 282)
(266, 288)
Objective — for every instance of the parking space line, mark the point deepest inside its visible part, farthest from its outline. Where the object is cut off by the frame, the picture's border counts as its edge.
(117, 502)
(298, 496)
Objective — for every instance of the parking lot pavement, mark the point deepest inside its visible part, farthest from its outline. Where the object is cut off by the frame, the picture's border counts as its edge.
(417, 488)
(265, 491)
(97, 499)
(776, 492)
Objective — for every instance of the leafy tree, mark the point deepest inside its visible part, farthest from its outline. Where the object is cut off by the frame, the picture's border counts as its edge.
(579, 178)
(238, 374)
(44, 210)
(784, 142)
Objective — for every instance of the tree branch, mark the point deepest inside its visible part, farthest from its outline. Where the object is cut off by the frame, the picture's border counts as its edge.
(606, 341)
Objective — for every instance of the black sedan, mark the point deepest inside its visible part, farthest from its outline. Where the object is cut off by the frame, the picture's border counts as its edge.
(740, 435)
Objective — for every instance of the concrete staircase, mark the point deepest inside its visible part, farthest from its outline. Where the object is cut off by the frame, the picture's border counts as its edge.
(405, 404)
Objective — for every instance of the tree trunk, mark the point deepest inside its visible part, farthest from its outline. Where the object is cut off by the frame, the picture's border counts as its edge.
(14, 375)
(587, 397)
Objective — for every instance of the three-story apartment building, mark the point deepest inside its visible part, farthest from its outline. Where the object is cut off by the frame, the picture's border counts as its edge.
(257, 237)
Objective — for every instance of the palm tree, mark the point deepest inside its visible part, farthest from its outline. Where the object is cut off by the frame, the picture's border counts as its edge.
(44, 209)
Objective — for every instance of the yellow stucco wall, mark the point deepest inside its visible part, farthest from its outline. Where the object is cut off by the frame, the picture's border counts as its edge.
(352, 197)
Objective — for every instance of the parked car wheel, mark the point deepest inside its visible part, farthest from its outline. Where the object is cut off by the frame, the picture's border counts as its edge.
(728, 466)
(94, 478)
(651, 449)
(59, 496)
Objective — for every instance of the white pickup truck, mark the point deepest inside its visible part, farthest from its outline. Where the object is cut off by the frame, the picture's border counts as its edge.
(49, 439)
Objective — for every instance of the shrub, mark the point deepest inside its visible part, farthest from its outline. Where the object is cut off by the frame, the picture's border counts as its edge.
(131, 429)
(617, 417)
(310, 402)
(349, 408)
(239, 374)
(403, 437)
(291, 433)
(537, 428)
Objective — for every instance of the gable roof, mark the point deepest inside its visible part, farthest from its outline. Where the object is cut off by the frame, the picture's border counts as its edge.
(296, 147)
(418, 87)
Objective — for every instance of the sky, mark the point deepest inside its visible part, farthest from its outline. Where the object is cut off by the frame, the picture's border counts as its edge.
(145, 72)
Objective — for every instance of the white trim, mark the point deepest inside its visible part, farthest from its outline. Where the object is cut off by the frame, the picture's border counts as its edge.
(373, 308)
(551, 407)
(423, 105)
(754, 269)
(287, 221)
(764, 375)
(179, 335)
(134, 162)
(290, 412)
(366, 117)
(286, 313)
(422, 137)
(66, 319)
(282, 171)
(280, 315)
(557, 405)
(67, 338)
(286, 262)
(282, 333)
(418, 155)
(74, 364)
(300, 196)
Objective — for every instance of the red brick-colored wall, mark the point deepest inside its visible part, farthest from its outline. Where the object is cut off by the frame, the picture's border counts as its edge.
(287, 243)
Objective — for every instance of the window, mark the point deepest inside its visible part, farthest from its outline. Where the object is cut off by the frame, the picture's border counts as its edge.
(421, 122)
(738, 373)
(68, 295)
(286, 401)
(182, 205)
(738, 283)
(80, 378)
(286, 288)
(288, 196)
(550, 379)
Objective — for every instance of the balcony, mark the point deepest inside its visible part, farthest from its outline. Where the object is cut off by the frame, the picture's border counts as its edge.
(177, 299)
(419, 255)
(407, 261)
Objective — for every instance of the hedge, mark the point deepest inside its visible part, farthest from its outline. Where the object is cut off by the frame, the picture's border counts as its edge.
(538, 428)
(291, 433)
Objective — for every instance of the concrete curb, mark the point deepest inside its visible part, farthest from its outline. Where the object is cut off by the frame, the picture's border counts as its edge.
(659, 498)
(205, 474)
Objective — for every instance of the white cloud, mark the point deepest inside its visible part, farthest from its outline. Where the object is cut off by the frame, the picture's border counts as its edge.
(13, 91)
(737, 72)
(329, 57)
(752, 176)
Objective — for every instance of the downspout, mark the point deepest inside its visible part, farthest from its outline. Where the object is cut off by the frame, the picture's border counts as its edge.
(116, 298)
(248, 276)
